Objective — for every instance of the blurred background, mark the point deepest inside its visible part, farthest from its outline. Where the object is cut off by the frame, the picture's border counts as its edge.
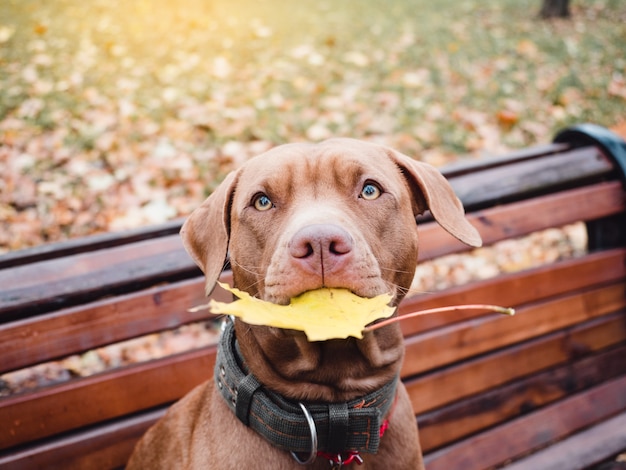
(118, 114)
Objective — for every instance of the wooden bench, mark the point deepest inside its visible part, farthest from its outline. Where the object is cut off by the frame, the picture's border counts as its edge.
(543, 389)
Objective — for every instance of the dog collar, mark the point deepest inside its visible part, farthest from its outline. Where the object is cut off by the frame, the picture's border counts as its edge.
(312, 428)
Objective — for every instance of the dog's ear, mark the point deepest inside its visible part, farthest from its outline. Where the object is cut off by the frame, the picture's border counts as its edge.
(206, 231)
(430, 187)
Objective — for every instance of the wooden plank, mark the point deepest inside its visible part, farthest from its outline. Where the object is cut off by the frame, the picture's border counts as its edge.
(452, 343)
(51, 285)
(81, 265)
(111, 320)
(516, 289)
(524, 217)
(115, 319)
(555, 210)
(581, 451)
(462, 167)
(463, 380)
(74, 404)
(468, 416)
(89, 243)
(533, 431)
(110, 445)
(78, 329)
(521, 179)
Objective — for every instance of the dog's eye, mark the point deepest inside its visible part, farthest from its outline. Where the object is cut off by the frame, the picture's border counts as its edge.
(262, 202)
(370, 191)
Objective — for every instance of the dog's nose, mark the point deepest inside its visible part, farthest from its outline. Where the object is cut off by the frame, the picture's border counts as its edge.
(321, 247)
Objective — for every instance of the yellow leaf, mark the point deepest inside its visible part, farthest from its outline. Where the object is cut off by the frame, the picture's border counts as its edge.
(321, 314)
(40, 29)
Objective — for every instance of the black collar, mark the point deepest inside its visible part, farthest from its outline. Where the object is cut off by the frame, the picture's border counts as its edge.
(352, 426)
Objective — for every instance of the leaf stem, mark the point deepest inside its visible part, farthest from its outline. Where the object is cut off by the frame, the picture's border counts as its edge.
(453, 308)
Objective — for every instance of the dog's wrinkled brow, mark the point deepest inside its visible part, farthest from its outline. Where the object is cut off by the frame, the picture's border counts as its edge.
(319, 174)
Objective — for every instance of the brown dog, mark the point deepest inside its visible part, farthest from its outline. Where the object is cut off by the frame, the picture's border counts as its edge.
(299, 217)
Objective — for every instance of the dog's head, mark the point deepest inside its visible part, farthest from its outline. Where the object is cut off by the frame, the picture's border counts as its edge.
(336, 214)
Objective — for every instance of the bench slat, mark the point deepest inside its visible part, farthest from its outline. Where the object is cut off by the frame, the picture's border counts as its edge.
(111, 239)
(105, 396)
(462, 167)
(489, 408)
(106, 321)
(582, 450)
(442, 346)
(518, 288)
(526, 178)
(87, 244)
(524, 217)
(533, 431)
(39, 287)
(106, 446)
(92, 264)
(457, 381)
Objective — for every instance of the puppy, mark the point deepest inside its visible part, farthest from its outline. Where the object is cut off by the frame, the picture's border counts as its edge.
(338, 214)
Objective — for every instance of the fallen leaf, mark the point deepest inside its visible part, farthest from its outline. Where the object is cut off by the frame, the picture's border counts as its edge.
(40, 29)
(507, 119)
(321, 314)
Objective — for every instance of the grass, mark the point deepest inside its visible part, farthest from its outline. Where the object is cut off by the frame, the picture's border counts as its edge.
(153, 95)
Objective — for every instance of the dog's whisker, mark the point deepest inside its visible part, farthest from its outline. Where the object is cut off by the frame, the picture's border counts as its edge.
(406, 291)
(247, 268)
(249, 286)
(392, 270)
(254, 284)
(413, 291)
(392, 287)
